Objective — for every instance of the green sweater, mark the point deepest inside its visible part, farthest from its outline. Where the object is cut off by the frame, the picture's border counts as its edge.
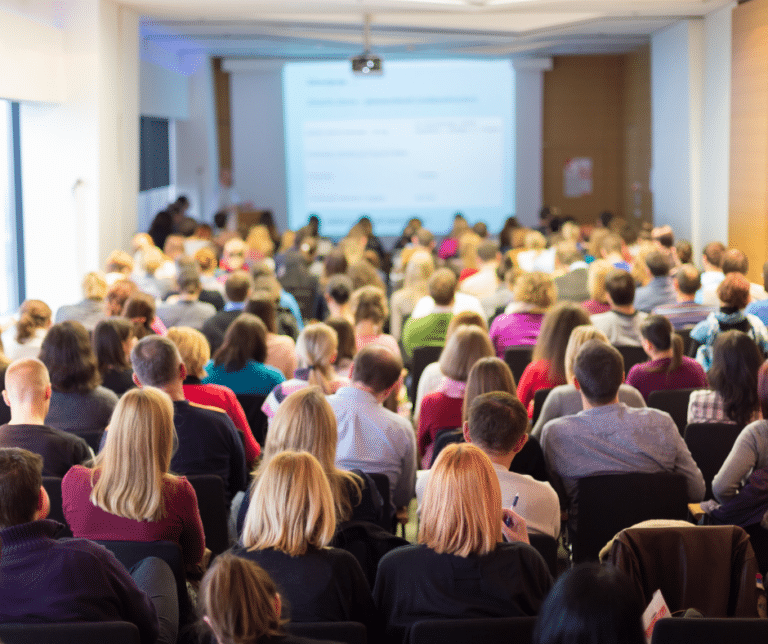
(428, 331)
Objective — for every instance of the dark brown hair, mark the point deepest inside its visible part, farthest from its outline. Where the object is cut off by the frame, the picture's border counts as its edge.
(733, 291)
(71, 362)
(659, 332)
(376, 367)
(736, 360)
(620, 286)
(108, 338)
(264, 308)
(21, 477)
(555, 332)
(140, 309)
(244, 340)
(346, 333)
(35, 314)
(487, 374)
(497, 420)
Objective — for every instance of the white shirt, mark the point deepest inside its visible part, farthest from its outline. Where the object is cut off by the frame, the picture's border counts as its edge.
(461, 302)
(481, 284)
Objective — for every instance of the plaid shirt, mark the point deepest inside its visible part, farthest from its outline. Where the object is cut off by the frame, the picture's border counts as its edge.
(706, 406)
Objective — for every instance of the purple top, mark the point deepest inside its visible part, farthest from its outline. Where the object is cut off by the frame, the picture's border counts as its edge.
(689, 375)
(513, 329)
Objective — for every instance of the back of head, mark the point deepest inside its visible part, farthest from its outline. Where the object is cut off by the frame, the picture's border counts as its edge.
(599, 370)
(109, 337)
(376, 367)
(21, 477)
(466, 346)
(369, 303)
(33, 315)
(488, 250)
(244, 340)
(591, 604)
(733, 291)
(579, 336)
(620, 286)
(140, 309)
(735, 261)
(684, 251)
(555, 332)
(237, 286)
(264, 307)
(487, 374)
(292, 506)
(567, 253)
(239, 601)
(597, 273)
(536, 289)
(713, 252)
(611, 243)
(316, 349)
(418, 270)
(664, 236)
(26, 381)
(339, 289)
(363, 273)
(66, 352)
(424, 237)
(481, 230)
(497, 421)
(335, 263)
(94, 286)
(117, 295)
(688, 279)
(345, 333)
(657, 263)
(156, 361)
(193, 347)
(736, 360)
(461, 510)
(189, 281)
(442, 286)
(119, 262)
(470, 318)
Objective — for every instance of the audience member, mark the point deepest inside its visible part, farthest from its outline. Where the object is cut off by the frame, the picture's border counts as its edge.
(237, 289)
(660, 291)
(239, 361)
(195, 354)
(418, 272)
(759, 308)
(613, 249)
(289, 526)
(668, 367)
(188, 310)
(733, 261)
(521, 321)
(565, 400)
(139, 309)
(119, 266)
(685, 312)
(346, 349)
(317, 350)
(30, 329)
(591, 604)
(547, 366)
(609, 436)
(571, 273)
(117, 295)
(281, 349)
(712, 261)
(622, 323)
(733, 293)
(534, 243)
(598, 297)
(129, 494)
(28, 394)
(113, 340)
(441, 409)
(732, 397)
(207, 440)
(369, 304)
(430, 330)
(497, 423)
(459, 303)
(450, 246)
(90, 309)
(337, 294)
(79, 403)
(485, 281)
(372, 438)
(460, 568)
(684, 250)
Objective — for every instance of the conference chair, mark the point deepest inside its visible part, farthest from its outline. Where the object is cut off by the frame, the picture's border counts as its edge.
(52, 485)
(608, 503)
(382, 485)
(710, 631)
(632, 356)
(422, 356)
(546, 546)
(518, 358)
(368, 543)
(515, 630)
(343, 632)
(538, 402)
(710, 444)
(443, 438)
(257, 419)
(211, 501)
(80, 632)
(93, 438)
(685, 334)
(674, 402)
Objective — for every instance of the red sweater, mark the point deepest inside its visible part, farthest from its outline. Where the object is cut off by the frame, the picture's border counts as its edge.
(535, 377)
(438, 411)
(181, 522)
(224, 398)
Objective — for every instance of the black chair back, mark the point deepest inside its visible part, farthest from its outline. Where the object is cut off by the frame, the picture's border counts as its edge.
(611, 502)
(518, 358)
(710, 444)
(515, 630)
(368, 543)
(52, 485)
(547, 548)
(632, 356)
(343, 632)
(685, 334)
(257, 419)
(538, 402)
(674, 402)
(422, 356)
(734, 630)
(443, 438)
(211, 500)
(382, 485)
(80, 632)
(93, 439)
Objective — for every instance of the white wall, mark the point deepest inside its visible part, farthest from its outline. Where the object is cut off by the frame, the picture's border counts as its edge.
(529, 110)
(163, 92)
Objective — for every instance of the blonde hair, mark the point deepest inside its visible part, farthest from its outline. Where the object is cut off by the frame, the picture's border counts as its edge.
(470, 318)
(292, 506)
(35, 314)
(206, 259)
(597, 272)
(119, 262)
(418, 270)
(305, 422)
(487, 374)
(152, 258)
(579, 336)
(260, 240)
(464, 348)
(469, 243)
(94, 286)
(537, 289)
(136, 456)
(461, 512)
(316, 348)
(238, 598)
(193, 348)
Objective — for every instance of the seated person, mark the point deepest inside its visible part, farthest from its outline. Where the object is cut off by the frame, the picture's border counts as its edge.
(69, 580)
(430, 330)
(622, 323)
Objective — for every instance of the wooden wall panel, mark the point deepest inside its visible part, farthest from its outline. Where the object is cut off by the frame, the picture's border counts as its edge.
(748, 203)
(223, 114)
(638, 199)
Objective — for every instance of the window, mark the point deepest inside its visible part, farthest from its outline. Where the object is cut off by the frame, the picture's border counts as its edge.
(12, 238)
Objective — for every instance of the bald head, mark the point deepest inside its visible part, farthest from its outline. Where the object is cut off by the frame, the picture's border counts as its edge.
(27, 388)
(377, 368)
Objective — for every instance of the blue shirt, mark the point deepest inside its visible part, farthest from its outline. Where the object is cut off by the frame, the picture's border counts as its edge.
(254, 378)
(287, 301)
(760, 309)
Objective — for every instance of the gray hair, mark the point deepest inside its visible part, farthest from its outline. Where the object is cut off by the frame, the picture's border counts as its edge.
(155, 361)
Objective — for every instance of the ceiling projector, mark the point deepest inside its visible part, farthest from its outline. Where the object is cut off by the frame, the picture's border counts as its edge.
(366, 64)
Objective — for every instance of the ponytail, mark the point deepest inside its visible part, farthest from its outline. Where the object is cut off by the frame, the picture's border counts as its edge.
(677, 353)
